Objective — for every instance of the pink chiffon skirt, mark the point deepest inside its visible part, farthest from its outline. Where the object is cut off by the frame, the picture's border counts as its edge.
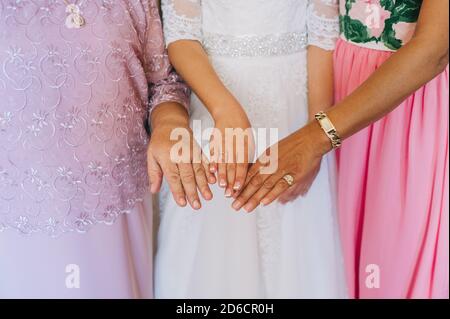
(393, 189)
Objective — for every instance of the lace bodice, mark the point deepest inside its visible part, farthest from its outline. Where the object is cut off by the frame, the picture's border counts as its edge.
(73, 104)
(255, 20)
(379, 24)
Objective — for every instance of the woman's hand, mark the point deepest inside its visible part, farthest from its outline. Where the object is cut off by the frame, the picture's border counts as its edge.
(297, 190)
(185, 173)
(299, 155)
(231, 148)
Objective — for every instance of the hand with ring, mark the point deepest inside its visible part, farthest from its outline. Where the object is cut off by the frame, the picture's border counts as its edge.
(298, 162)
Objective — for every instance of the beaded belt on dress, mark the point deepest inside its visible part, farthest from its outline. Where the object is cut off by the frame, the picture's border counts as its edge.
(254, 46)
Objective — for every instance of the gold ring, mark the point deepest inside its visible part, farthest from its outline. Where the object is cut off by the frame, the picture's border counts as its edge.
(289, 179)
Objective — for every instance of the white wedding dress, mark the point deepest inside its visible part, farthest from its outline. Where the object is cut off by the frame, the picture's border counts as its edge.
(258, 48)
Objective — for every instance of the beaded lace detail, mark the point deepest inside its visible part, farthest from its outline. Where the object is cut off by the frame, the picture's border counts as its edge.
(315, 20)
(254, 46)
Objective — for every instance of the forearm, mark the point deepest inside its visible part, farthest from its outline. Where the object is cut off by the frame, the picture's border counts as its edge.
(418, 62)
(192, 63)
(406, 71)
(320, 80)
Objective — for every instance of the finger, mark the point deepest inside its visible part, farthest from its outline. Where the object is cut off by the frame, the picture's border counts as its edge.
(285, 198)
(289, 194)
(214, 153)
(252, 172)
(213, 167)
(155, 174)
(201, 159)
(241, 175)
(189, 184)
(206, 166)
(231, 173)
(251, 188)
(255, 199)
(293, 193)
(279, 188)
(202, 182)
(222, 173)
(172, 176)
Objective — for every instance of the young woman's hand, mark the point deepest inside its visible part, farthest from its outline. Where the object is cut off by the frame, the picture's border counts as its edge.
(231, 148)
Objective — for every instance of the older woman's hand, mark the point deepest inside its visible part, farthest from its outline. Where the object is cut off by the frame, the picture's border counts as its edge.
(299, 157)
(187, 173)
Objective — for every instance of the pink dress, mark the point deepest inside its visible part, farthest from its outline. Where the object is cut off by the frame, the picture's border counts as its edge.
(75, 213)
(393, 176)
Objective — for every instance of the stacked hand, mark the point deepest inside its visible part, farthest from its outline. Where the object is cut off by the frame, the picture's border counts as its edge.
(231, 149)
(299, 157)
(187, 174)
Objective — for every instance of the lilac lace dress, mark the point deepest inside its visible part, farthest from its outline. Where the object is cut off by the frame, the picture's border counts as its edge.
(73, 108)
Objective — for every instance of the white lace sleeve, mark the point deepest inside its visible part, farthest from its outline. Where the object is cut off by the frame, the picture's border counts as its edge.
(323, 23)
(182, 20)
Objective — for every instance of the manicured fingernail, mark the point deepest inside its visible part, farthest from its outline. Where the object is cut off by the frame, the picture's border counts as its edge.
(265, 202)
(196, 204)
(248, 208)
(223, 183)
(237, 186)
(237, 205)
(228, 193)
(182, 201)
(212, 179)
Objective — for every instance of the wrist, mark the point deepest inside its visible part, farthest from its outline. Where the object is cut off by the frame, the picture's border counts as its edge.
(316, 138)
(227, 108)
(169, 115)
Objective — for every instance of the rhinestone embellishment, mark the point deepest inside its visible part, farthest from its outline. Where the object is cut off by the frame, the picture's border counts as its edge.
(255, 46)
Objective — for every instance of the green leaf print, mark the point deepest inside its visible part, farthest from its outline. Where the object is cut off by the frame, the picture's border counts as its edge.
(406, 11)
(387, 4)
(389, 39)
(355, 30)
(348, 5)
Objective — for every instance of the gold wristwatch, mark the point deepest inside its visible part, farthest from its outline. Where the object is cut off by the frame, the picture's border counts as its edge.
(329, 129)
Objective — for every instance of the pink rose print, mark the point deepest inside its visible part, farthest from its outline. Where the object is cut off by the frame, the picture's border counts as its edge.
(404, 31)
(372, 14)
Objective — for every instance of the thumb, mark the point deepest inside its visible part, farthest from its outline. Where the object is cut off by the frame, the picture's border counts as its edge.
(155, 174)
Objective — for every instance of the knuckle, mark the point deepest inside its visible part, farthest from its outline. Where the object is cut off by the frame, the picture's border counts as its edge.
(256, 181)
(192, 196)
(188, 178)
(198, 170)
(268, 185)
(243, 197)
(172, 178)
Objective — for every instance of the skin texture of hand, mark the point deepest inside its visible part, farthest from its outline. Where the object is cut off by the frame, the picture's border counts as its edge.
(294, 192)
(299, 155)
(230, 154)
(185, 178)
